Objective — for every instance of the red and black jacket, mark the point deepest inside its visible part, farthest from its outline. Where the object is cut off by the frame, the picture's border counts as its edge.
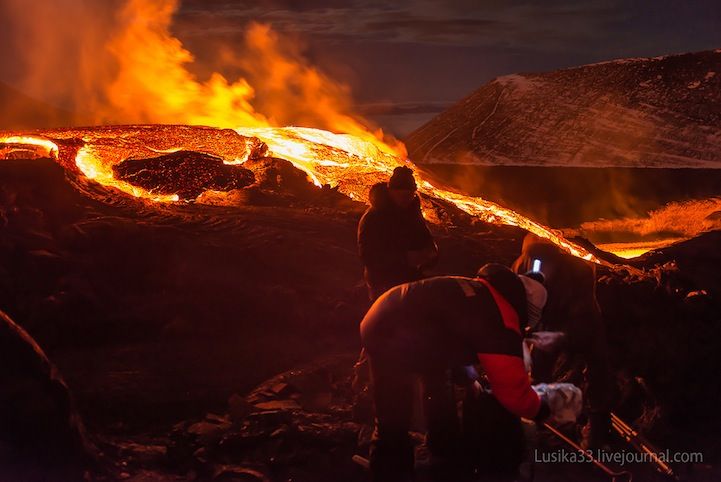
(448, 319)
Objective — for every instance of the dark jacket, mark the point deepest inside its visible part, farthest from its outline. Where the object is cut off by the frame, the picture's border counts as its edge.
(386, 234)
(573, 309)
(445, 320)
(571, 284)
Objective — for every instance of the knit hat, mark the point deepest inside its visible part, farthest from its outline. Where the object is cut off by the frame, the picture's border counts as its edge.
(536, 298)
(402, 178)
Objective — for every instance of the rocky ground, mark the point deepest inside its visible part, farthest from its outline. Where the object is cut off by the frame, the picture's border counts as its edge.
(170, 324)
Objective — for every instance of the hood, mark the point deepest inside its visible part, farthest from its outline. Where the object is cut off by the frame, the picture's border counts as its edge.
(536, 246)
(536, 298)
(556, 264)
(378, 196)
(380, 200)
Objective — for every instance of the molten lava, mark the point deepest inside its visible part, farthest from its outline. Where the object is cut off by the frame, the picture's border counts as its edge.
(635, 249)
(344, 161)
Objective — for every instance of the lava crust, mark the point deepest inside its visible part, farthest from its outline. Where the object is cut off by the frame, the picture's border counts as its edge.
(185, 173)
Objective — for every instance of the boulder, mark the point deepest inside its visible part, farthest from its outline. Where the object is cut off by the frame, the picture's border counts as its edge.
(277, 174)
(42, 434)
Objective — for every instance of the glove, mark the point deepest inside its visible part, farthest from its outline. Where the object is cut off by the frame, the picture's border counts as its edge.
(544, 410)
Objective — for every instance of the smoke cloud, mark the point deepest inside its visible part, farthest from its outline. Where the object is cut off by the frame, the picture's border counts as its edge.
(118, 61)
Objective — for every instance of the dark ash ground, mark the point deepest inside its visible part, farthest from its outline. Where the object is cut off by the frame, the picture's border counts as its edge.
(170, 322)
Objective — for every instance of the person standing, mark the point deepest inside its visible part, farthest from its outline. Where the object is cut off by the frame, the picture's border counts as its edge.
(394, 242)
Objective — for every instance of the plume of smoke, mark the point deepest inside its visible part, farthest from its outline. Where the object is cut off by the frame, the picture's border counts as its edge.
(683, 219)
(117, 61)
(59, 50)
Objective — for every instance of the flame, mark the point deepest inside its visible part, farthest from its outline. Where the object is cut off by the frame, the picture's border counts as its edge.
(296, 93)
(153, 83)
(124, 66)
(143, 76)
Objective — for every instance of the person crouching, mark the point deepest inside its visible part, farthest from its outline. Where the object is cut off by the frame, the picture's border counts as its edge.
(427, 327)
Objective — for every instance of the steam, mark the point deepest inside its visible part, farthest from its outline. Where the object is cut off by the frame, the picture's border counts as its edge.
(117, 62)
(59, 51)
(683, 219)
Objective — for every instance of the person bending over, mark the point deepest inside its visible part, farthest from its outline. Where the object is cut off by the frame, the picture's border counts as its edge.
(427, 327)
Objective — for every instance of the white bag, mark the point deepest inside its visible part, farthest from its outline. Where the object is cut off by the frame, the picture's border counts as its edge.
(564, 399)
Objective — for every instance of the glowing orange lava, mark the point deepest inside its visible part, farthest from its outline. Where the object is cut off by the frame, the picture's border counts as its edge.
(341, 160)
(635, 249)
(142, 76)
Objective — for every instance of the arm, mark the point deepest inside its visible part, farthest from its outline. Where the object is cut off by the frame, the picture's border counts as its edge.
(374, 250)
(425, 252)
(512, 387)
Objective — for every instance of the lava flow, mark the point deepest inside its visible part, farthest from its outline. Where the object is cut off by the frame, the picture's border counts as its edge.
(142, 75)
(344, 161)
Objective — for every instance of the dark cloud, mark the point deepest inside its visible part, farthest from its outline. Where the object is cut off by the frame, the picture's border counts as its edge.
(458, 22)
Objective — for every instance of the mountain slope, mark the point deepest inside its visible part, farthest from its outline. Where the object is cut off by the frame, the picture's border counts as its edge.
(657, 112)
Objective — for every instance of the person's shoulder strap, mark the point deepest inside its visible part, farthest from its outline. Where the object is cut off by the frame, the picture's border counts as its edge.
(508, 313)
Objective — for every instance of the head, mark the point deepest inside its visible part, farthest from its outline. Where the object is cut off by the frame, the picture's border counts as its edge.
(402, 187)
(536, 298)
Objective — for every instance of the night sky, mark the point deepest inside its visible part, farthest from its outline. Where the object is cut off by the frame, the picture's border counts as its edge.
(411, 58)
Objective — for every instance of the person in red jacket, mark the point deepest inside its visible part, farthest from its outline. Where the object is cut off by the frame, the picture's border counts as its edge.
(427, 327)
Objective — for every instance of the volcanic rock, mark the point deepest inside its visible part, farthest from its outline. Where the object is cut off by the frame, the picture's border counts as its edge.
(276, 174)
(280, 182)
(227, 473)
(696, 263)
(209, 430)
(185, 173)
(278, 405)
(648, 112)
(663, 343)
(262, 285)
(283, 441)
(40, 425)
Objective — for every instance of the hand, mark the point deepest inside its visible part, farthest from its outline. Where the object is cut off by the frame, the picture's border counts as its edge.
(547, 341)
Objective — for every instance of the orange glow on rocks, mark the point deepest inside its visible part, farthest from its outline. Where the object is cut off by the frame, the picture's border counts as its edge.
(350, 163)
